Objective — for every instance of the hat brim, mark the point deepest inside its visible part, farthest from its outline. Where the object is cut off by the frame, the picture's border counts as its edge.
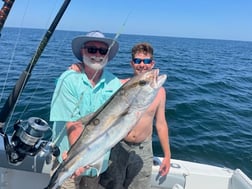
(78, 42)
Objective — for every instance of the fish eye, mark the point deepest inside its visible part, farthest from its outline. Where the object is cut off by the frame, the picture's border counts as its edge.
(142, 82)
(96, 121)
(122, 92)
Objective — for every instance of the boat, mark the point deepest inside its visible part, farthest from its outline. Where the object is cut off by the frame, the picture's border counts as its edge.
(34, 173)
(23, 165)
(191, 175)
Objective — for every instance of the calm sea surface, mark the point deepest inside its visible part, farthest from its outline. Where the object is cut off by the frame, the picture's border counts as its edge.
(209, 89)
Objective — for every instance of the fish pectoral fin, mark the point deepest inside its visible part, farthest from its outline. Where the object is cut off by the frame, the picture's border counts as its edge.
(97, 165)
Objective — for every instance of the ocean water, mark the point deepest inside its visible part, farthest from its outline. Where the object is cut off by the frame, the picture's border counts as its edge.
(209, 89)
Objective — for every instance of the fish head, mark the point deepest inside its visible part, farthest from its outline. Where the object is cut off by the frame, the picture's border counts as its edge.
(152, 78)
(145, 87)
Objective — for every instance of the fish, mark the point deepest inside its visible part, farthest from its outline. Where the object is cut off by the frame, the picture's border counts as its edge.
(109, 124)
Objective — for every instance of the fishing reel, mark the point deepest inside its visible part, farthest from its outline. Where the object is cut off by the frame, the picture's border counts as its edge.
(27, 140)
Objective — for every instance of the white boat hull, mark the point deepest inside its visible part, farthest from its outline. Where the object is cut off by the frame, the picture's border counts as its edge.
(34, 173)
(189, 175)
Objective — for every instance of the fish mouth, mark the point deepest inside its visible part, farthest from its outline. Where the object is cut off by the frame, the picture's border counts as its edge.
(158, 80)
(161, 79)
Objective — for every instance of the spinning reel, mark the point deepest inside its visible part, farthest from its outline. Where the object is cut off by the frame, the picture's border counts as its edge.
(27, 139)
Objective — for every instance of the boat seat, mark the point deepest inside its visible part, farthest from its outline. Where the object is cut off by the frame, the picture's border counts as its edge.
(239, 181)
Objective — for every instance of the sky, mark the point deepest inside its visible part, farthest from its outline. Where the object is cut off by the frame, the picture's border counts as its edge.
(208, 19)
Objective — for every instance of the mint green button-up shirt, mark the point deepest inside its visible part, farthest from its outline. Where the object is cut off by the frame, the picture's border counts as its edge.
(75, 97)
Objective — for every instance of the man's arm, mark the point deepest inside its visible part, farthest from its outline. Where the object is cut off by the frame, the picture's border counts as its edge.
(74, 130)
(163, 133)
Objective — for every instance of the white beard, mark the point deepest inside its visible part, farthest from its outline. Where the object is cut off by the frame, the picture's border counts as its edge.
(94, 62)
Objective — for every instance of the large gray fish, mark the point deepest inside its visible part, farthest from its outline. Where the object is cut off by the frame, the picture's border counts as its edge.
(109, 124)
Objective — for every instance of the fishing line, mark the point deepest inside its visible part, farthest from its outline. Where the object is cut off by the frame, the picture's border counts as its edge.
(17, 41)
(17, 90)
(28, 102)
(116, 37)
(14, 50)
(47, 67)
(44, 73)
(11, 63)
(82, 95)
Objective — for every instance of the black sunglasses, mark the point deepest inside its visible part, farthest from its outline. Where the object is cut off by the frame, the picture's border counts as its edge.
(93, 50)
(145, 60)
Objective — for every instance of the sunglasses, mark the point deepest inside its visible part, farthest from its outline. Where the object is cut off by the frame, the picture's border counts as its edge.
(93, 50)
(145, 60)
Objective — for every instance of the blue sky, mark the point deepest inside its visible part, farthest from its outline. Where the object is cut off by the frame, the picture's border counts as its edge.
(212, 19)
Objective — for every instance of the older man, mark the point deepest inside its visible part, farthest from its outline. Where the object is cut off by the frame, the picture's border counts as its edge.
(80, 93)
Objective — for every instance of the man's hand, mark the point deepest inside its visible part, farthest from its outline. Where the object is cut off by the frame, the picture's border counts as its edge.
(164, 167)
(76, 67)
(79, 171)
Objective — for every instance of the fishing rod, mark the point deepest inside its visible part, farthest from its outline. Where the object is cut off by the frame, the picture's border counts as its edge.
(27, 136)
(4, 12)
(20, 84)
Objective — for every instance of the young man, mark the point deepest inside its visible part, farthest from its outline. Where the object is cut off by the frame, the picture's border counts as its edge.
(80, 93)
(132, 158)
